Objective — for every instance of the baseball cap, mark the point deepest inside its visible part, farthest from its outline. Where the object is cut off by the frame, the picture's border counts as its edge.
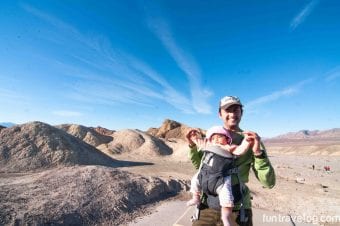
(218, 130)
(227, 101)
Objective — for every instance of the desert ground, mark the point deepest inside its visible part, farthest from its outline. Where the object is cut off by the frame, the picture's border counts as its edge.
(300, 191)
(71, 175)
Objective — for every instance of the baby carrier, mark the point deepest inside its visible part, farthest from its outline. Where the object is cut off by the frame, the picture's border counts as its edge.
(217, 164)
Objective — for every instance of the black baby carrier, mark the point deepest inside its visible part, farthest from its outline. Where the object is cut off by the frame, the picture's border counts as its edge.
(216, 164)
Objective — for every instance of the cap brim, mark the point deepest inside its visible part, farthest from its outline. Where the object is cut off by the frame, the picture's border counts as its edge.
(229, 105)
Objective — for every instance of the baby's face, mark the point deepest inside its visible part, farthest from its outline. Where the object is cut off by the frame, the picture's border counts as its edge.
(219, 139)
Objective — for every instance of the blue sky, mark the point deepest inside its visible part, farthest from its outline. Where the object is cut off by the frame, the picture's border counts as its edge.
(132, 64)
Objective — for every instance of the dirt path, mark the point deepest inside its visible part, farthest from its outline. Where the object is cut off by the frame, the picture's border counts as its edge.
(176, 213)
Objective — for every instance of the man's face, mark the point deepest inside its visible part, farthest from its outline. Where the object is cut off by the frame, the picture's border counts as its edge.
(231, 116)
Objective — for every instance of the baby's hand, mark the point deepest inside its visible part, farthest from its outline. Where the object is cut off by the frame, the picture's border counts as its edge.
(192, 136)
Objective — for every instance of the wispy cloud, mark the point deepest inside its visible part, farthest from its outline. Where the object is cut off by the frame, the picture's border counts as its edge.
(66, 113)
(288, 91)
(110, 76)
(10, 96)
(303, 14)
(112, 93)
(184, 60)
(169, 93)
(61, 25)
(333, 74)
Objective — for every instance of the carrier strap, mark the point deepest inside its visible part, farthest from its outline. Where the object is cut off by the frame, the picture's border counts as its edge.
(218, 151)
(243, 217)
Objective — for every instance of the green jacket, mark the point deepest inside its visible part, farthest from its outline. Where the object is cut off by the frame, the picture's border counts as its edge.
(261, 166)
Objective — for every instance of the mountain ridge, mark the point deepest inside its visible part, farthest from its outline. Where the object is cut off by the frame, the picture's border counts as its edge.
(309, 134)
(7, 124)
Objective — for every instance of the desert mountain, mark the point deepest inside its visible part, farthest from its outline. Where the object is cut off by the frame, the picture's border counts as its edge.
(55, 188)
(305, 142)
(170, 129)
(119, 142)
(138, 142)
(311, 134)
(37, 145)
(92, 136)
(317, 138)
(7, 124)
(103, 131)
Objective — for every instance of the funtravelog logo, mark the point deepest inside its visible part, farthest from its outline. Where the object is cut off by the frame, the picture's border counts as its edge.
(301, 219)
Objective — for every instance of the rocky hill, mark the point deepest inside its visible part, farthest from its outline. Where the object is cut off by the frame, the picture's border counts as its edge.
(81, 195)
(92, 136)
(37, 145)
(170, 129)
(126, 141)
(139, 143)
(50, 177)
(103, 131)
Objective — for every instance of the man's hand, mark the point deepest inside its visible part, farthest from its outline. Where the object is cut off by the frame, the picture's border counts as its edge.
(255, 141)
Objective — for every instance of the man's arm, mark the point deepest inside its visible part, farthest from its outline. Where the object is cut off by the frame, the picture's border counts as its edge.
(263, 169)
(195, 156)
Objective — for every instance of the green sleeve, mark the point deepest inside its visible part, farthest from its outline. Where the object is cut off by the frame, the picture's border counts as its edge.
(263, 170)
(195, 156)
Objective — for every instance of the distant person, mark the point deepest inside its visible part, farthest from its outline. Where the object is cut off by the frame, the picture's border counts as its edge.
(313, 167)
(217, 137)
(230, 112)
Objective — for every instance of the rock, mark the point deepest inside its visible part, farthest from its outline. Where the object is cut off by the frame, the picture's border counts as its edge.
(300, 180)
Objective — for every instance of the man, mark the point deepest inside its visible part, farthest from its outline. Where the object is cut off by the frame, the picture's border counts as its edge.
(230, 112)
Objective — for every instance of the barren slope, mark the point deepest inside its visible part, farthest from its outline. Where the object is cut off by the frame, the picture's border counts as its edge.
(38, 145)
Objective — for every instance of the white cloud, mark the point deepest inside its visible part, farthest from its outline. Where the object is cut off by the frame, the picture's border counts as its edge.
(303, 14)
(66, 113)
(169, 93)
(333, 74)
(67, 29)
(13, 97)
(111, 76)
(289, 91)
(184, 60)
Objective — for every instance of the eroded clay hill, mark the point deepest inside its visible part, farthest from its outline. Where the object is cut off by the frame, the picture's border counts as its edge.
(50, 177)
(170, 129)
(37, 145)
(92, 136)
(139, 143)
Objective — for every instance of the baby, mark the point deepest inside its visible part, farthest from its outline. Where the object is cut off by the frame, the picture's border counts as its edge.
(220, 137)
